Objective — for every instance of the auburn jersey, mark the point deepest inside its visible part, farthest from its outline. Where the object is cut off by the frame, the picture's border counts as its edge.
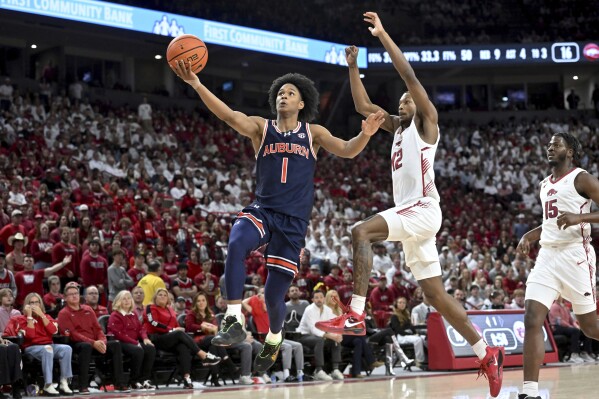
(285, 166)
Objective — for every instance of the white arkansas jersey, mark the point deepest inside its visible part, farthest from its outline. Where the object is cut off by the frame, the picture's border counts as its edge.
(561, 195)
(412, 162)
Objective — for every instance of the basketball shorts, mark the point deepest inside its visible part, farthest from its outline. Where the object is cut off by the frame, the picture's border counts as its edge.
(284, 234)
(416, 224)
(566, 271)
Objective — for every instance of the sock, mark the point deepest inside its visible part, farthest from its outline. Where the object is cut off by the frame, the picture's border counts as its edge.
(530, 388)
(234, 310)
(273, 338)
(357, 303)
(285, 374)
(300, 373)
(480, 348)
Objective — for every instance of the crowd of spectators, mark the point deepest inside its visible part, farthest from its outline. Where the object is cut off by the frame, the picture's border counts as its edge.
(417, 22)
(85, 186)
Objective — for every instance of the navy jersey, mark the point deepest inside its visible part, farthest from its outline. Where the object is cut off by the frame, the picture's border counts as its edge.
(285, 167)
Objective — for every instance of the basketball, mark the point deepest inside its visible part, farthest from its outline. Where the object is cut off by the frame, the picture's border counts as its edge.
(188, 48)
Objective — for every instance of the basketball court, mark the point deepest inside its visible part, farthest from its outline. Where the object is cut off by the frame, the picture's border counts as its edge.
(557, 382)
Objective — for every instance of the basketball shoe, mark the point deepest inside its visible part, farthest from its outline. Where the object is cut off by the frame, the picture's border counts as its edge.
(525, 396)
(492, 368)
(267, 356)
(348, 323)
(232, 333)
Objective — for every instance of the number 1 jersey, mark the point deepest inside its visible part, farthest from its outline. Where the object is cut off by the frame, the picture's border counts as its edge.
(561, 196)
(285, 166)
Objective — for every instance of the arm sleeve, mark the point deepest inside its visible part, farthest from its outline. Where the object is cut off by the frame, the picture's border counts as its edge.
(152, 315)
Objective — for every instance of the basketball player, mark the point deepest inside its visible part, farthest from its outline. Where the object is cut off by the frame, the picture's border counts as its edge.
(417, 216)
(286, 149)
(566, 262)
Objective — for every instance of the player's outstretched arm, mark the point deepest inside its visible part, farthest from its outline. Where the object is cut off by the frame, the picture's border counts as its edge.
(250, 126)
(587, 185)
(425, 107)
(361, 99)
(350, 148)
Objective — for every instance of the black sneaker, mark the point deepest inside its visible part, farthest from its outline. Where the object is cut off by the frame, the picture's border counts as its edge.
(211, 360)
(231, 334)
(525, 396)
(267, 356)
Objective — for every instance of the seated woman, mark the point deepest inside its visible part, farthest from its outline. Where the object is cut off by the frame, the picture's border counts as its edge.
(38, 330)
(360, 346)
(126, 327)
(161, 324)
(201, 323)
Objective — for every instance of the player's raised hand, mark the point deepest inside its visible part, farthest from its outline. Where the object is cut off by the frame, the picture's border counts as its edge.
(351, 55)
(372, 123)
(183, 70)
(377, 27)
(567, 219)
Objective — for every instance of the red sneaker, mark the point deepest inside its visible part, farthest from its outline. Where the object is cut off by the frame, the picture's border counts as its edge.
(492, 368)
(349, 323)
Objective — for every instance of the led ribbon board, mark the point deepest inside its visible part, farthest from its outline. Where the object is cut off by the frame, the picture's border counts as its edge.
(167, 24)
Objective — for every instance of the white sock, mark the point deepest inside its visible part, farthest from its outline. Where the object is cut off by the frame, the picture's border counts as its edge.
(480, 348)
(273, 338)
(285, 374)
(530, 388)
(234, 310)
(357, 303)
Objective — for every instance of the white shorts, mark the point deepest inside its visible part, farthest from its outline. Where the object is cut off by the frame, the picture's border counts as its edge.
(416, 224)
(567, 271)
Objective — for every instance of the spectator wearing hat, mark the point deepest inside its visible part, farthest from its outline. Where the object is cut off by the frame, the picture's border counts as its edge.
(183, 286)
(151, 282)
(315, 275)
(7, 278)
(381, 297)
(16, 258)
(520, 227)
(207, 282)
(334, 281)
(180, 306)
(15, 226)
(30, 280)
(38, 219)
(62, 249)
(447, 260)
(398, 287)
(94, 268)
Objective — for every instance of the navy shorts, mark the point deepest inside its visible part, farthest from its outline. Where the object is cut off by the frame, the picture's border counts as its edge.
(284, 234)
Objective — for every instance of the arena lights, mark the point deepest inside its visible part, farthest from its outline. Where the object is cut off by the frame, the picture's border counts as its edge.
(34, 46)
(158, 57)
(575, 77)
(167, 24)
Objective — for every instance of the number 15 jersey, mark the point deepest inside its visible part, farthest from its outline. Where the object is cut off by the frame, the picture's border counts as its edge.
(561, 196)
(285, 165)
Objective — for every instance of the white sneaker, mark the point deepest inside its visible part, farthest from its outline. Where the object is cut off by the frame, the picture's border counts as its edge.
(51, 391)
(575, 358)
(246, 380)
(322, 376)
(138, 387)
(148, 386)
(337, 375)
(64, 387)
(266, 378)
(585, 356)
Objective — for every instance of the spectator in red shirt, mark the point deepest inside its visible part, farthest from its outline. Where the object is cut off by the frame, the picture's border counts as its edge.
(509, 282)
(39, 329)
(128, 240)
(92, 300)
(397, 287)
(54, 298)
(16, 226)
(94, 268)
(161, 323)
(256, 306)
(334, 281)
(207, 282)
(382, 297)
(30, 280)
(169, 264)
(314, 275)
(126, 327)
(183, 286)
(347, 289)
(194, 266)
(80, 323)
(41, 248)
(139, 269)
(62, 249)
